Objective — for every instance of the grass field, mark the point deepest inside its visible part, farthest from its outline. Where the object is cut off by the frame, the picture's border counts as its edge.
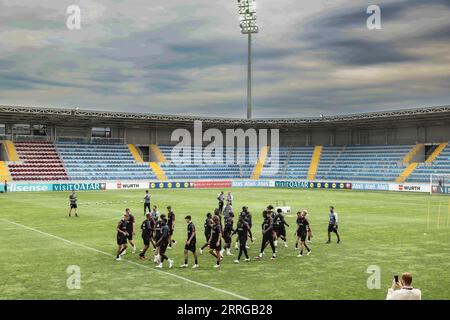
(390, 230)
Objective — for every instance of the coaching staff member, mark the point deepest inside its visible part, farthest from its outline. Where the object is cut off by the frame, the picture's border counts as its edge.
(147, 200)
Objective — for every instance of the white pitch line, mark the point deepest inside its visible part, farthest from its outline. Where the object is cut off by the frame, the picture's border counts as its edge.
(131, 262)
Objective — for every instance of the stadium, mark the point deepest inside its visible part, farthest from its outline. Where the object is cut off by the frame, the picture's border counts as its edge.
(378, 169)
(128, 170)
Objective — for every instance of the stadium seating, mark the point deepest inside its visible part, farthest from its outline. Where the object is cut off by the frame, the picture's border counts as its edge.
(193, 170)
(39, 161)
(45, 161)
(441, 165)
(293, 163)
(362, 163)
(102, 162)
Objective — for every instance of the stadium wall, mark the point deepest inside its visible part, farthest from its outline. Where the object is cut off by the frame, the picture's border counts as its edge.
(330, 134)
(325, 136)
(337, 136)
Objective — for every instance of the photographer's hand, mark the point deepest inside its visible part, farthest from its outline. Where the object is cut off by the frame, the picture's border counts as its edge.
(394, 285)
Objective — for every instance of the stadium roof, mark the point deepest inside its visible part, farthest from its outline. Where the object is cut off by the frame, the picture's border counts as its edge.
(79, 117)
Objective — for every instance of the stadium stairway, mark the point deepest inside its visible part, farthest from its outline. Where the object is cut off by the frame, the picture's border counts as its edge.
(411, 154)
(134, 151)
(260, 163)
(156, 168)
(11, 151)
(315, 159)
(39, 161)
(4, 172)
(411, 166)
(158, 171)
(274, 170)
(158, 153)
(436, 152)
(407, 172)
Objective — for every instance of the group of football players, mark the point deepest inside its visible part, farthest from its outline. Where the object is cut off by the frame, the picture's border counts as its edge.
(219, 229)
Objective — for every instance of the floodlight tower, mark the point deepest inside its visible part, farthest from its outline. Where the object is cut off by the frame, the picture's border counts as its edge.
(247, 12)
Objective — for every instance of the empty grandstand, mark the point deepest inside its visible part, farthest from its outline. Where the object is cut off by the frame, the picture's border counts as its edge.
(294, 163)
(194, 170)
(401, 146)
(362, 163)
(437, 163)
(102, 162)
(37, 161)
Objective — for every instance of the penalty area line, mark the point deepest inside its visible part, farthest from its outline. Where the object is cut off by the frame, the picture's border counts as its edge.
(130, 262)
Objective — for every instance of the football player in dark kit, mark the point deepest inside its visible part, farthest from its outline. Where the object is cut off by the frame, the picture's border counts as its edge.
(242, 230)
(157, 236)
(130, 229)
(208, 227)
(190, 243)
(271, 211)
(147, 228)
(268, 235)
(227, 232)
(247, 216)
(162, 243)
(308, 239)
(219, 215)
(280, 226)
(215, 244)
(122, 235)
(333, 225)
(171, 225)
(302, 232)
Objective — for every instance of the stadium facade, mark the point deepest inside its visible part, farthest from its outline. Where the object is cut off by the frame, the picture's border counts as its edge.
(66, 145)
(426, 125)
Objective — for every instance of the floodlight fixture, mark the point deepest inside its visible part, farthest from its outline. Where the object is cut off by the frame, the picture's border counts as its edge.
(247, 12)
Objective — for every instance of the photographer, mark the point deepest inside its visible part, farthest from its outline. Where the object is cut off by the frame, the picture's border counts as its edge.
(406, 292)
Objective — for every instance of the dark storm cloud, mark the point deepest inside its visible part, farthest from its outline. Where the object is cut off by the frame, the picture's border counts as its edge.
(160, 55)
(6, 64)
(186, 57)
(363, 52)
(437, 34)
(356, 16)
(32, 81)
(11, 80)
(390, 12)
(166, 82)
(167, 49)
(112, 76)
(328, 34)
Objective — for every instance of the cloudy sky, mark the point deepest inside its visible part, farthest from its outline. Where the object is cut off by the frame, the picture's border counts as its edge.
(188, 56)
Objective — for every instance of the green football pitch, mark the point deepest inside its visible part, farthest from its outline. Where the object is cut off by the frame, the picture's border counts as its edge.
(394, 232)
